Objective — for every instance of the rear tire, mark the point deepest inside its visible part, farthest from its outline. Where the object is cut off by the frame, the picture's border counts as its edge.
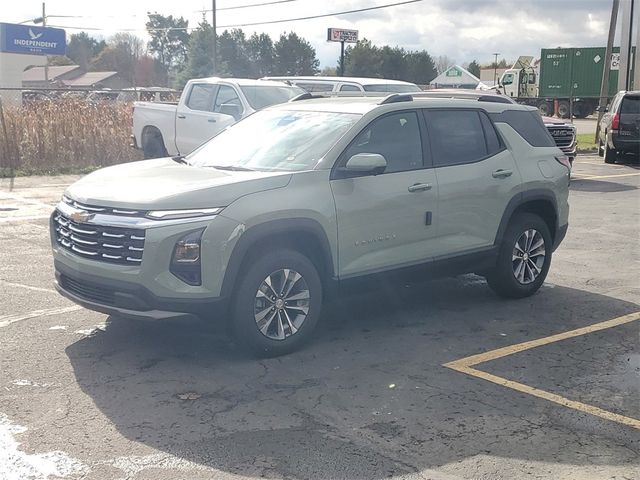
(600, 148)
(277, 303)
(610, 156)
(153, 146)
(563, 109)
(546, 109)
(523, 259)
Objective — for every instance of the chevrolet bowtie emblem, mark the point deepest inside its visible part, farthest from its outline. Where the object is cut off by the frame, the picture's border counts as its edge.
(81, 216)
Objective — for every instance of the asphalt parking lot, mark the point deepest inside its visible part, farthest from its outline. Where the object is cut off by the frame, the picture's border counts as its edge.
(391, 387)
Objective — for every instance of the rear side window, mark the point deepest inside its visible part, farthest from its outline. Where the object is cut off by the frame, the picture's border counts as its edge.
(630, 105)
(456, 136)
(529, 126)
(349, 88)
(201, 97)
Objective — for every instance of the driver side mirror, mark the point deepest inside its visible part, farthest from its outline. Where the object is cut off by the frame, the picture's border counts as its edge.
(231, 109)
(372, 163)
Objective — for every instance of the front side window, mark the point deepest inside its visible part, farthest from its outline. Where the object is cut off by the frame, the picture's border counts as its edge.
(456, 137)
(396, 137)
(392, 88)
(260, 97)
(200, 97)
(226, 95)
(274, 140)
(312, 87)
(349, 88)
(507, 79)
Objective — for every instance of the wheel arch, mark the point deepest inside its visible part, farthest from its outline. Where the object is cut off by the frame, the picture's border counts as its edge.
(541, 202)
(301, 234)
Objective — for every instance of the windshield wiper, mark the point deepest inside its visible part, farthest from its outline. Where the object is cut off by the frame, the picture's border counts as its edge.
(180, 159)
(233, 168)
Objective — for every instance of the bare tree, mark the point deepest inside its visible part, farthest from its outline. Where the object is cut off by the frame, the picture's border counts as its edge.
(443, 62)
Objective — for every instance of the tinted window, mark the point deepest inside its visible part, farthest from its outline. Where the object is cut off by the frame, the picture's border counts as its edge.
(396, 137)
(227, 95)
(456, 136)
(200, 97)
(315, 87)
(528, 125)
(630, 105)
(349, 88)
(494, 143)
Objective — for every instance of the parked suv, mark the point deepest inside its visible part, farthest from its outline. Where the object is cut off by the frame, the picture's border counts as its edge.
(298, 197)
(620, 127)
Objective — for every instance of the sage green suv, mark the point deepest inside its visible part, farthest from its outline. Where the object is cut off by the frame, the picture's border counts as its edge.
(256, 224)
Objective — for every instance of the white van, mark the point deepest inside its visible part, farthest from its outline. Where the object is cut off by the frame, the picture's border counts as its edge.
(348, 84)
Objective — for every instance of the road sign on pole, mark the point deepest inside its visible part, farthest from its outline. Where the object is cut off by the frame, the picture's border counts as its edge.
(343, 36)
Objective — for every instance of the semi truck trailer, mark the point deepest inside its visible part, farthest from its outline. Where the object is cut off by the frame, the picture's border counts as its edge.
(564, 81)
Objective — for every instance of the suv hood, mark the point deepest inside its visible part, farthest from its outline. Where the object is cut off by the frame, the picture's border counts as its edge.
(163, 184)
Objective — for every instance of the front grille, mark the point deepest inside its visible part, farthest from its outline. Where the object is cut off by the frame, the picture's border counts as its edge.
(98, 242)
(98, 294)
(563, 136)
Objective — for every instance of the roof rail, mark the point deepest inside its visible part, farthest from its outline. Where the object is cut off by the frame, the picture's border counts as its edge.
(395, 98)
(306, 96)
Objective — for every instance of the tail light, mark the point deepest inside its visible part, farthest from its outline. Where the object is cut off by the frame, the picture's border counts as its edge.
(615, 121)
(564, 160)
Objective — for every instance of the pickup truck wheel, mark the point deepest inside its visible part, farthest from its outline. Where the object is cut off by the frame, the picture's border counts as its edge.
(277, 303)
(524, 258)
(153, 146)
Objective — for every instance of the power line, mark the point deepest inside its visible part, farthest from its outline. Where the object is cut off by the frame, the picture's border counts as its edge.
(237, 7)
(346, 12)
(311, 17)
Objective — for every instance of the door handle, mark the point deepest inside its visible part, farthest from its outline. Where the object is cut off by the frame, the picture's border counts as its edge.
(502, 173)
(211, 120)
(182, 116)
(419, 187)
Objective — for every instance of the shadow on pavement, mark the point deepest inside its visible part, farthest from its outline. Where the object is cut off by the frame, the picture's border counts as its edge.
(587, 185)
(367, 399)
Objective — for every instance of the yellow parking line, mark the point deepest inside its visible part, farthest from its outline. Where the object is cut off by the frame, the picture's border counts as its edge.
(464, 365)
(593, 177)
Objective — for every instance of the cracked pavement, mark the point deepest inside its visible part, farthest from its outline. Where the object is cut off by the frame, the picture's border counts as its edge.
(83, 395)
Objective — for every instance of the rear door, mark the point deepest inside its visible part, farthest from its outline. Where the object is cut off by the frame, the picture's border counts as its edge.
(195, 119)
(476, 175)
(630, 118)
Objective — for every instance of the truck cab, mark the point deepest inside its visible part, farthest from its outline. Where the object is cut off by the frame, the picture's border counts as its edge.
(519, 83)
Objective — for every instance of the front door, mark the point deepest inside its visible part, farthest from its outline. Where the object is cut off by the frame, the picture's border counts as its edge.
(387, 220)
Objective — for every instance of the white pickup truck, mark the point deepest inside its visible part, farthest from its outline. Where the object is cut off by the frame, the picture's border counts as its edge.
(207, 106)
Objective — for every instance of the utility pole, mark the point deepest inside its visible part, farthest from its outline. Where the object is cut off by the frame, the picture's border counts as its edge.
(604, 85)
(46, 58)
(215, 36)
(495, 69)
(625, 45)
(636, 76)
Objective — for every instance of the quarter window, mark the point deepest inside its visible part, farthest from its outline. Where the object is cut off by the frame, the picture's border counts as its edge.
(396, 137)
(200, 97)
(456, 137)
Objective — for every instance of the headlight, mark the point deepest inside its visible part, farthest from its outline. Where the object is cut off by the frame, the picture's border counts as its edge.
(185, 262)
(174, 214)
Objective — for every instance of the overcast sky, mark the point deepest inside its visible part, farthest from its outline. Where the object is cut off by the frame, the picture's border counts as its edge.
(461, 29)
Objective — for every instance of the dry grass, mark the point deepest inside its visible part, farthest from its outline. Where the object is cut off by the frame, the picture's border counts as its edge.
(65, 136)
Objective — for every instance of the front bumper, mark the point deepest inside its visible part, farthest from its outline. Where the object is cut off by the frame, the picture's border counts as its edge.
(129, 300)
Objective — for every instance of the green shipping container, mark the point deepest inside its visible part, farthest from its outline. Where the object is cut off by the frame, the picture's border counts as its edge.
(576, 72)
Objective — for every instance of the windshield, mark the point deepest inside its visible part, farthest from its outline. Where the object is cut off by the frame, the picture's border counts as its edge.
(275, 140)
(392, 88)
(262, 96)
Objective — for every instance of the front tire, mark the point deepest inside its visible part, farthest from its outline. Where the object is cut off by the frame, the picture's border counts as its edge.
(524, 258)
(277, 303)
